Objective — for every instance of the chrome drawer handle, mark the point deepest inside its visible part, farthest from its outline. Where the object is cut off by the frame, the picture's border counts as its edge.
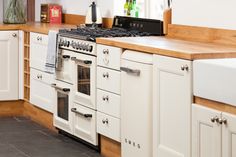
(105, 51)
(184, 67)
(105, 121)
(82, 114)
(39, 76)
(131, 71)
(66, 90)
(105, 75)
(105, 98)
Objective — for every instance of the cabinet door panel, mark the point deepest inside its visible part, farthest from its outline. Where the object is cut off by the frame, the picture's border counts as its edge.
(9, 65)
(206, 135)
(172, 107)
(229, 136)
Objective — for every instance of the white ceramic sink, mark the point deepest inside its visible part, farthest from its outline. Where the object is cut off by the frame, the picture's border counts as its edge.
(215, 79)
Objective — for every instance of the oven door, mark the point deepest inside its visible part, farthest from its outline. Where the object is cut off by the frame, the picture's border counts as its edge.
(64, 71)
(84, 124)
(85, 82)
(62, 117)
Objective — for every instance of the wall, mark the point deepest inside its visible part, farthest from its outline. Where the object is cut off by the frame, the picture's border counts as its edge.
(109, 8)
(206, 13)
(1, 10)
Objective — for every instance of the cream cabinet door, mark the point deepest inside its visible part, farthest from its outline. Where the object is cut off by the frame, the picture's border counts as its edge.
(206, 132)
(9, 65)
(229, 135)
(172, 107)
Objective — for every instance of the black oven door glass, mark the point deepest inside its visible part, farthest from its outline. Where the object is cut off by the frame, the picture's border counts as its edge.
(63, 105)
(83, 79)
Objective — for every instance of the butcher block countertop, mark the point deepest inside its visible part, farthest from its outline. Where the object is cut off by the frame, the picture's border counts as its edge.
(188, 50)
(36, 27)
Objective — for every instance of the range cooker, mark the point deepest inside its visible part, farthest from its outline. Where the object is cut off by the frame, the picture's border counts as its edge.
(75, 112)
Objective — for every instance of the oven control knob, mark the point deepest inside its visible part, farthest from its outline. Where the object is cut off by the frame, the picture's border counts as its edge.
(87, 47)
(65, 43)
(90, 48)
(77, 45)
(73, 44)
(68, 43)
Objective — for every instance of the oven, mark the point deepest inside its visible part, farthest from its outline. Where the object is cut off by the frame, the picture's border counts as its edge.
(84, 80)
(63, 99)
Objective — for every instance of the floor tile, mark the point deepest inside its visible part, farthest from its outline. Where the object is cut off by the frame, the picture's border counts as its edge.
(20, 137)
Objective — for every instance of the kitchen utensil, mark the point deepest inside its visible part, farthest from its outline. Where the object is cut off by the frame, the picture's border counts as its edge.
(93, 17)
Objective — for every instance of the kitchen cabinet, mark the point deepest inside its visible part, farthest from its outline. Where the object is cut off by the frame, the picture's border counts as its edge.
(9, 65)
(213, 133)
(206, 135)
(38, 50)
(41, 92)
(172, 99)
(108, 91)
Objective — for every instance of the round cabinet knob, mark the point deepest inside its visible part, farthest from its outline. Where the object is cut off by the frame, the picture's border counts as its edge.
(214, 119)
(184, 67)
(222, 121)
(14, 35)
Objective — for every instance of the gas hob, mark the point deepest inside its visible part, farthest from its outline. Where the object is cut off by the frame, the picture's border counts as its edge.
(82, 39)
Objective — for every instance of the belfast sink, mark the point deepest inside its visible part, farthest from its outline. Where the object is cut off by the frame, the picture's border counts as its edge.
(215, 79)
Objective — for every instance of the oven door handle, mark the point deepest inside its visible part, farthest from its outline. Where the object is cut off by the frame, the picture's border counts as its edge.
(66, 56)
(82, 114)
(86, 62)
(61, 89)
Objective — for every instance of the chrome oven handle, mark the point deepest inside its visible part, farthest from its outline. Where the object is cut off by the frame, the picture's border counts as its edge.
(82, 114)
(131, 71)
(86, 62)
(61, 89)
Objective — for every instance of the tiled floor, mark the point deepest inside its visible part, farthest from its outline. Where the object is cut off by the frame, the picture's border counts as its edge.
(20, 137)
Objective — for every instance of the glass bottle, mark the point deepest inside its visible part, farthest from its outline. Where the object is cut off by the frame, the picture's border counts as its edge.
(130, 7)
(14, 11)
(126, 6)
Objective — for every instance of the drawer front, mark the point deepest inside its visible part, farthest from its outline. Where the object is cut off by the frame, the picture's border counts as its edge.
(108, 80)
(41, 76)
(108, 126)
(39, 38)
(85, 123)
(38, 56)
(109, 56)
(41, 94)
(108, 103)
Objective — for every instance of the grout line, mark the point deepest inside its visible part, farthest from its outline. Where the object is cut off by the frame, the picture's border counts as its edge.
(21, 152)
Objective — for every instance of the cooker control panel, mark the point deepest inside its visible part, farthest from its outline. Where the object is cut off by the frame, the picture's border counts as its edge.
(77, 45)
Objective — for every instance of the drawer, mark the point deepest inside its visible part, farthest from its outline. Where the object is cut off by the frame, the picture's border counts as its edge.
(108, 103)
(39, 38)
(108, 126)
(108, 80)
(84, 122)
(41, 94)
(41, 76)
(38, 56)
(108, 56)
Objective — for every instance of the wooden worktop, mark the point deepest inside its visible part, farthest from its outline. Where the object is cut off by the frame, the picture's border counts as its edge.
(36, 27)
(189, 50)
